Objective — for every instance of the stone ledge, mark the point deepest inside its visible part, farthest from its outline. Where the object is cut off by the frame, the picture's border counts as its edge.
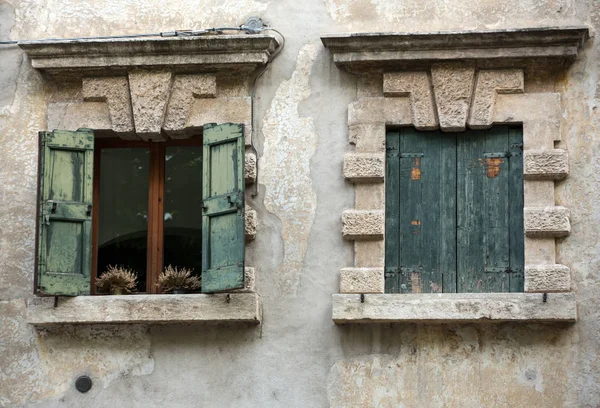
(72, 59)
(146, 309)
(547, 221)
(545, 164)
(454, 307)
(363, 225)
(381, 52)
(364, 167)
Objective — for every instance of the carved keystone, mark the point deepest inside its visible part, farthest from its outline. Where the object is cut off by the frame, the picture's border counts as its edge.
(488, 84)
(115, 92)
(452, 87)
(547, 222)
(185, 89)
(362, 280)
(547, 278)
(250, 223)
(417, 87)
(149, 95)
(250, 168)
(545, 164)
(364, 167)
(363, 225)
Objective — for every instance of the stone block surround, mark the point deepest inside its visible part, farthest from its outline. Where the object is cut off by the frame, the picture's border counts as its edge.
(451, 95)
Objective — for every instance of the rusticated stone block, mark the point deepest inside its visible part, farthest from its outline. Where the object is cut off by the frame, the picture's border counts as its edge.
(545, 164)
(547, 278)
(488, 84)
(417, 87)
(364, 167)
(362, 280)
(363, 225)
(249, 281)
(185, 89)
(250, 223)
(250, 169)
(149, 95)
(547, 222)
(115, 92)
(452, 88)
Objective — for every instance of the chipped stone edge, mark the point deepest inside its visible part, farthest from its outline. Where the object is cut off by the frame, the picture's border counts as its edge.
(454, 307)
(547, 278)
(547, 221)
(146, 309)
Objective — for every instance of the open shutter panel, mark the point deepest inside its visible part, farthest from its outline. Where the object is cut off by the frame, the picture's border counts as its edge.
(64, 235)
(223, 208)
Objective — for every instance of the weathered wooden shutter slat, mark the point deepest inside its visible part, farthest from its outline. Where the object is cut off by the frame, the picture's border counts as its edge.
(223, 208)
(64, 213)
(392, 210)
(516, 202)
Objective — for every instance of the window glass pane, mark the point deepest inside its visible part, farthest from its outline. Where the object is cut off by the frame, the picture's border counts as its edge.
(123, 220)
(183, 214)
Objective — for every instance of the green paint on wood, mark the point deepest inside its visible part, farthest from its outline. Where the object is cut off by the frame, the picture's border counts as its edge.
(454, 211)
(64, 258)
(223, 208)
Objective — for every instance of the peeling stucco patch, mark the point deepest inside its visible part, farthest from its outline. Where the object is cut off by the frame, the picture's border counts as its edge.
(289, 143)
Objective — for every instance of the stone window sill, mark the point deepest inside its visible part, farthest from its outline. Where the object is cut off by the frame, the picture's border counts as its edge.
(454, 307)
(146, 309)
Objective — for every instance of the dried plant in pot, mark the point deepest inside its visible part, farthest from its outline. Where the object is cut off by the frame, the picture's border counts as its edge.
(178, 280)
(117, 280)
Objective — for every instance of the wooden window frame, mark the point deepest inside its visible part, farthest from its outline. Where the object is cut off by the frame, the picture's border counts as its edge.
(156, 189)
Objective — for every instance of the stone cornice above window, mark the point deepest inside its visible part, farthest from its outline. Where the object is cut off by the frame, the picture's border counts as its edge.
(380, 52)
(222, 54)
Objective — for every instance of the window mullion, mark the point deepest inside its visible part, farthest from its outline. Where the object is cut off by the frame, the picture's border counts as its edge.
(155, 218)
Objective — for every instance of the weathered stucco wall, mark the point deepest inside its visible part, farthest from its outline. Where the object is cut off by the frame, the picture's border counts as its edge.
(298, 357)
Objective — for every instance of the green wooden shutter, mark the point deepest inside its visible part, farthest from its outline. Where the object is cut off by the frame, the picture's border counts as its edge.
(64, 236)
(454, 211)
(490, 211)
(420, 212)
(223, 208)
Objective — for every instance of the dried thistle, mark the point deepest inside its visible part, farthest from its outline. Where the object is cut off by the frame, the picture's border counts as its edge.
(117, 278)
(177, 278)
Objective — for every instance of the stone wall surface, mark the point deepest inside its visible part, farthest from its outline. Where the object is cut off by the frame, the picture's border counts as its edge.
(298, 357)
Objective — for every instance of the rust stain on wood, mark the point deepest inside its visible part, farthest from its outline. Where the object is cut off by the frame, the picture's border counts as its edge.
(492, 166)
(415, 279)
(415, 222)
(415, 173)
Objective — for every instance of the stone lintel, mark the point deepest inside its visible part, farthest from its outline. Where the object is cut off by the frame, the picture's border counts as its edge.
(363, 225)
(454, 307)
(545, 164)
(547, 278)
(362, 280)
(380, 52)
(146, 309)
(72, 59)
(364, 167)
(547, 221)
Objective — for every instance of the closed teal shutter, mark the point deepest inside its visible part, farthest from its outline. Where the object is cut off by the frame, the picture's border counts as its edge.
(454, 211)
(64, 235)
(420, 212)
(223, 208)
